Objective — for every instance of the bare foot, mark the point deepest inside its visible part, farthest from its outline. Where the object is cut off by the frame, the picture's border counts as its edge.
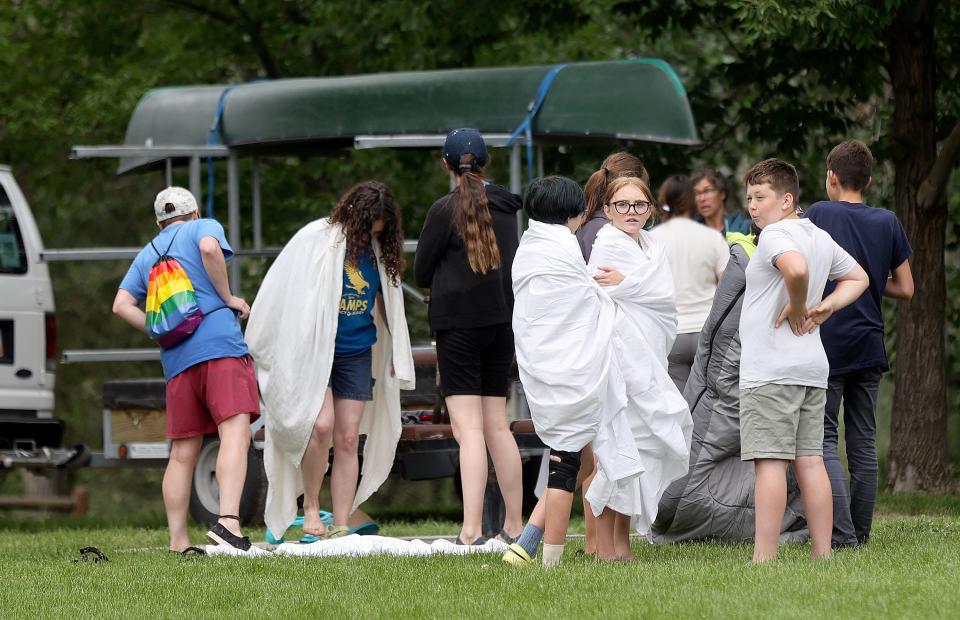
(626, 556)
(312, 525)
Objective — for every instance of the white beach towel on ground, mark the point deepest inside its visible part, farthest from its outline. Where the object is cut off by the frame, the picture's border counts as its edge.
(358, 546)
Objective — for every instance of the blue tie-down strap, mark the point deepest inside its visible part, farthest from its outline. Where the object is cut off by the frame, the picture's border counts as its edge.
(525, 127)
(214, 138)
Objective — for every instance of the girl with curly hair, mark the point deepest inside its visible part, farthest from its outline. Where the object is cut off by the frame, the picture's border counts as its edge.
(331, 309)
(464, 256)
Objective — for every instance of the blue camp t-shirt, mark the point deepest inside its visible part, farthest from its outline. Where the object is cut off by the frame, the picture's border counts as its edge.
(218, 335)
(356, 331)
(853, 336)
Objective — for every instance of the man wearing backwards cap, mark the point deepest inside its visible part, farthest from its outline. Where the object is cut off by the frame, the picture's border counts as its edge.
(210, 382)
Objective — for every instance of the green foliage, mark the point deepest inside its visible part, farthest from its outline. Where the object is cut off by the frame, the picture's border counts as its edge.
(764, 77)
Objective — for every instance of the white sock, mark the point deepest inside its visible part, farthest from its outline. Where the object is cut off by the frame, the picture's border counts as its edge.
(552, 554)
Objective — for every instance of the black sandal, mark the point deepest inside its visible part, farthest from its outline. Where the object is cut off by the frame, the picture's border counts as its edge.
(507, 538)
(223, 536)
(92, 554)
(480, 541)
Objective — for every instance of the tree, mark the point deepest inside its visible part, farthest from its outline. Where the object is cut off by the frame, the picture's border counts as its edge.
(792, 80)
(763, 76)
(919, 454)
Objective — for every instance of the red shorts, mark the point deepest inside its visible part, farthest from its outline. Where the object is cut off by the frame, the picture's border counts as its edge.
(203, 396)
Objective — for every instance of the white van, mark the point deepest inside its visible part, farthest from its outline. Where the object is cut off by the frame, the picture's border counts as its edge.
(28, 345)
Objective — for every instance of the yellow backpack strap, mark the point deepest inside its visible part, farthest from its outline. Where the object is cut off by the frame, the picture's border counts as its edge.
(747, 242)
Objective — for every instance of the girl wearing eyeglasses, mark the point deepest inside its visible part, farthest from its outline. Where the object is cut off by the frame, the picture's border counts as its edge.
(657, 415)
(616, 165)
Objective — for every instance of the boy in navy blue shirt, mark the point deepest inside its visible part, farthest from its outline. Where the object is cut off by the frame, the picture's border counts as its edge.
(853, 339)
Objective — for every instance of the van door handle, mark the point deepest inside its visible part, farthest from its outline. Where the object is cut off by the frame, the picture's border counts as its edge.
(24, 373)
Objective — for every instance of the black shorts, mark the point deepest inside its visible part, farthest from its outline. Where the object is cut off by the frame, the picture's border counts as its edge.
(475, 361)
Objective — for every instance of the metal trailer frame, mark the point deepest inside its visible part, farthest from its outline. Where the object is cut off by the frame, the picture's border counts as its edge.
(196, 153)
(150, 454)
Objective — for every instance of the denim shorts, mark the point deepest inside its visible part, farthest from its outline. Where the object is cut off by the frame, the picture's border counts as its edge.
(351, 376)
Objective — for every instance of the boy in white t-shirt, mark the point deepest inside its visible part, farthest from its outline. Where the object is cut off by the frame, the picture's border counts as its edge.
(783, 367)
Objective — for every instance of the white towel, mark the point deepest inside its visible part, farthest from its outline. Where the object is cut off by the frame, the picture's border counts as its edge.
(563, 329)
(659, 420)
(291, 334)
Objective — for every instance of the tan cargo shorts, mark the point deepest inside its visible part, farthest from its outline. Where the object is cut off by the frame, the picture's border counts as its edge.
(781, 422)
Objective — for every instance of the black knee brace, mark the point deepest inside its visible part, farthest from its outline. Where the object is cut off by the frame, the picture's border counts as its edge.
(563, 472)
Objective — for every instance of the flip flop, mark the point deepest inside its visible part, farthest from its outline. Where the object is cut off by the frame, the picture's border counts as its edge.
(306, 539)
(325, 517)
(336, 531)
(369, 528)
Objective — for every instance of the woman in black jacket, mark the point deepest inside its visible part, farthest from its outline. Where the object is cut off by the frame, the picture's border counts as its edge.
(464, 255)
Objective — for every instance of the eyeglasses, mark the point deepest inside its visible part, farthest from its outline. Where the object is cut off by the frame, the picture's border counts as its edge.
(623, 206)
(705, 192)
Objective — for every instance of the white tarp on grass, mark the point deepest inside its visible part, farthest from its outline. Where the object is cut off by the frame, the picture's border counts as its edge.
(356, 545)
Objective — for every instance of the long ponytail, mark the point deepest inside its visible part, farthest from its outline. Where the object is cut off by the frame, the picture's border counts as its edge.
(616, 165)
(472, 219)
(594, 190)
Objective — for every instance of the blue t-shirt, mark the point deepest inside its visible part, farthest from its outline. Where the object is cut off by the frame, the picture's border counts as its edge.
(853, 336)
(356, 331)
(218, 335)
(736, 223)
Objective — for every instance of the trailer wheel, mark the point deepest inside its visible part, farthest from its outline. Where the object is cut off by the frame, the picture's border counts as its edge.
(205, 493)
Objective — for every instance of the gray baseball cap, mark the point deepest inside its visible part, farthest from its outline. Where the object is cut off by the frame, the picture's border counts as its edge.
(181, 199)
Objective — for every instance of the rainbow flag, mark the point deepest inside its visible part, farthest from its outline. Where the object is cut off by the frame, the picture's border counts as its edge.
(172, 310)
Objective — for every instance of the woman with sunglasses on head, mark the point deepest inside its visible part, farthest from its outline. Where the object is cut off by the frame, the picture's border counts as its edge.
(697, 255)
(657, 417)
(464, 255)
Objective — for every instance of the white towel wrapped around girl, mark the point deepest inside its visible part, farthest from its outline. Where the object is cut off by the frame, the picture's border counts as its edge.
(563, 323)
(658, 416)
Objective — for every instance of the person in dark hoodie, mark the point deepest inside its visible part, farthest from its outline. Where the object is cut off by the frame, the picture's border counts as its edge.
(464, 256)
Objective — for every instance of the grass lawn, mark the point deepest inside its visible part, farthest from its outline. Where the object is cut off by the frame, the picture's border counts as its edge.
(910, 569)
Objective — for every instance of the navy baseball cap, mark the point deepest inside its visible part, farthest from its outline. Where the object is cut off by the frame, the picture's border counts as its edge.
(462, 141)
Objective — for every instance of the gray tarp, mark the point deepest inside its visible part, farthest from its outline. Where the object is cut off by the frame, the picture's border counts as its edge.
(715, 499)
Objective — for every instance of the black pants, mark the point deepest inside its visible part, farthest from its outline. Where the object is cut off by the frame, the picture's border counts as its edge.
(853, 508)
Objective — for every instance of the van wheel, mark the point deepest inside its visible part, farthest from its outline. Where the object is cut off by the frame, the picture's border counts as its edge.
(205, 493)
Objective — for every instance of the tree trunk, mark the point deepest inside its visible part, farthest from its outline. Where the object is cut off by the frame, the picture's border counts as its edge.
(919, 455)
